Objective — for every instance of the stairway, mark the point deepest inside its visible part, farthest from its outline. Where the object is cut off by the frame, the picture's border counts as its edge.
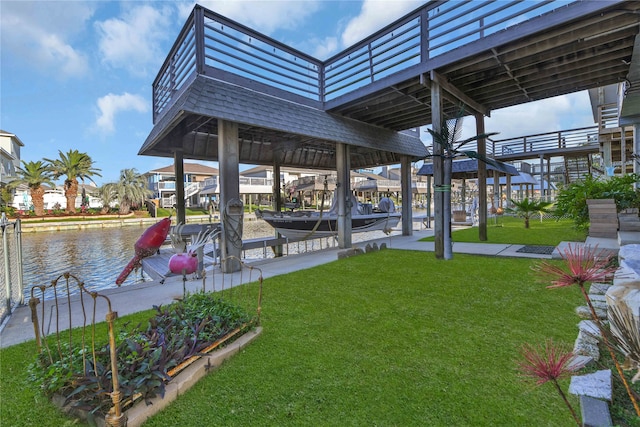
(576, 167)
(628, 227)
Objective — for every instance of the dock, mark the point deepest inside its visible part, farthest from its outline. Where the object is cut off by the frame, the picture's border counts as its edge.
(157, 266)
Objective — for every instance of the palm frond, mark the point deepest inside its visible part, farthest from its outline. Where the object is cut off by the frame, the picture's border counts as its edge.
(454, 129)
(498, 165)
(625, 334)
(475, 138)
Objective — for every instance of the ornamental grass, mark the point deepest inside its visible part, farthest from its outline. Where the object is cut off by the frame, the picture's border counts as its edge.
(549, 362)
(584, 265)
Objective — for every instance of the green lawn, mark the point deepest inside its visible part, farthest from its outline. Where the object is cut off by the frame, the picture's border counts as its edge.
(386, 338)
(511, 230)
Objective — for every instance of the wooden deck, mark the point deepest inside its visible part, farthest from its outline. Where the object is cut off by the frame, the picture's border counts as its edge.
(157, 266)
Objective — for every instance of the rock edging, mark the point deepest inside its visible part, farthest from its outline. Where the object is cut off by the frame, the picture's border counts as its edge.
(594, 390)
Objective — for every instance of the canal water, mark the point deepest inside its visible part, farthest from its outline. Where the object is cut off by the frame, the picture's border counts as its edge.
(97, 256)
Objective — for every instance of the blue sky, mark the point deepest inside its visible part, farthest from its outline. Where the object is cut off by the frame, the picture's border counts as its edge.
(78, 74)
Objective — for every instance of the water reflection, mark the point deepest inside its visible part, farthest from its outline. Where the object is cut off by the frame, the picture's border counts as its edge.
(95, 256)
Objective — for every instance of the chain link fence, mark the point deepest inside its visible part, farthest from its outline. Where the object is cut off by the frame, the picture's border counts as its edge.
(11, 283)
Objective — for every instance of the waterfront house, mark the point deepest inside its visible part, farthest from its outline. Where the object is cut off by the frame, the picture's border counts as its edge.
(54, 197)
(197, 177)
(10, 146)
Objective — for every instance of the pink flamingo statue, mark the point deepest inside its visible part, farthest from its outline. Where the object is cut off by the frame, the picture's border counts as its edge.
(147, 245)
(186, 262)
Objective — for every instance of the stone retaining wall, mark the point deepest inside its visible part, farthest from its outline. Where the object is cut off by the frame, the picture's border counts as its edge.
(595, 390)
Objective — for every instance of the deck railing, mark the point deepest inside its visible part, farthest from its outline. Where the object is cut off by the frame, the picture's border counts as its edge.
(544, 142)
(256, 181)
(608, 116)
(218, 47)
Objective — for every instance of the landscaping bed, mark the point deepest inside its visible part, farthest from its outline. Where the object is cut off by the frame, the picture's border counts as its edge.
(77, 373)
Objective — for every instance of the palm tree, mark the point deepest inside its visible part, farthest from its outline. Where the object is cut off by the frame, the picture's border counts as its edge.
(525, 208)
(106, 195)
(449, 139)
(34, 174)
(74, 165)
(130, 190)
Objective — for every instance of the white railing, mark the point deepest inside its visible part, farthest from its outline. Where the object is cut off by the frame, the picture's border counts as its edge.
(168, 202)
(192, 188)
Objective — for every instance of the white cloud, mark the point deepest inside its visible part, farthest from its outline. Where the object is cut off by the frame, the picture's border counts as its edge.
(560, 113)
(265, 16)
(547, 115)
(55, 51)
(324, 48)
(374, 15)
(133, 42)
(112, 104)
(41, 33)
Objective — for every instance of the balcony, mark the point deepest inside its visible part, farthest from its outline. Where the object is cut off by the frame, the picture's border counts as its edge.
(486, 55)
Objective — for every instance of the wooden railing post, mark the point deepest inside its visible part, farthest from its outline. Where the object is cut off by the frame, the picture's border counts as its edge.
(198, 22)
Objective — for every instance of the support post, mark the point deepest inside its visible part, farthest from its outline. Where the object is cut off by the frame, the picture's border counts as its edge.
(507, 203)
(231, 208)
(623, 154)
(438, 172)
(542, 177)
(482, 180)
(496, 190)
(549, 198)
(344, 196)
(178, 165)
(636, 147)
(429, 186)
(277, 202)
(405, 182)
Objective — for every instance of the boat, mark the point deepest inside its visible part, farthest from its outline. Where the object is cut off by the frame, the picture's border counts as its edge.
(310, 224)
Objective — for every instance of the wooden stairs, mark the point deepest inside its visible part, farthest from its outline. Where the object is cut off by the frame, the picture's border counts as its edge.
(606, 222)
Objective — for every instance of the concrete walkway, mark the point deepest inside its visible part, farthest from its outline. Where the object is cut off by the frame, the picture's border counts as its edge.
(130, 299)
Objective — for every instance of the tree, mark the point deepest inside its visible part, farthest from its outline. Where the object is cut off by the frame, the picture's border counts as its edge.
(106, 195)
(525, 208)
(130, 190)
(74, 165)
(448, 139)
(6, 195)
(33, 175)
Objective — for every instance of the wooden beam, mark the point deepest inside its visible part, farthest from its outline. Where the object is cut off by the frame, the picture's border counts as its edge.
(444, 84)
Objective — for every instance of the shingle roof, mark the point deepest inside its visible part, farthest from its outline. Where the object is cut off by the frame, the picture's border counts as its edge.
(194, 168)
(11, 135)
(269, 126)
(464, 169)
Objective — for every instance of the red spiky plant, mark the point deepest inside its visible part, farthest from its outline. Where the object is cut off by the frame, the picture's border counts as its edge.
(549, 363)
(584, 265)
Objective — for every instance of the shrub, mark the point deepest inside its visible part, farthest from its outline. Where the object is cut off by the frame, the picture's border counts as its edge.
(9, 210)
(571, 200)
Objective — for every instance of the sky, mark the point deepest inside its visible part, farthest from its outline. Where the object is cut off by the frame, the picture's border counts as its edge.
(78, 74)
